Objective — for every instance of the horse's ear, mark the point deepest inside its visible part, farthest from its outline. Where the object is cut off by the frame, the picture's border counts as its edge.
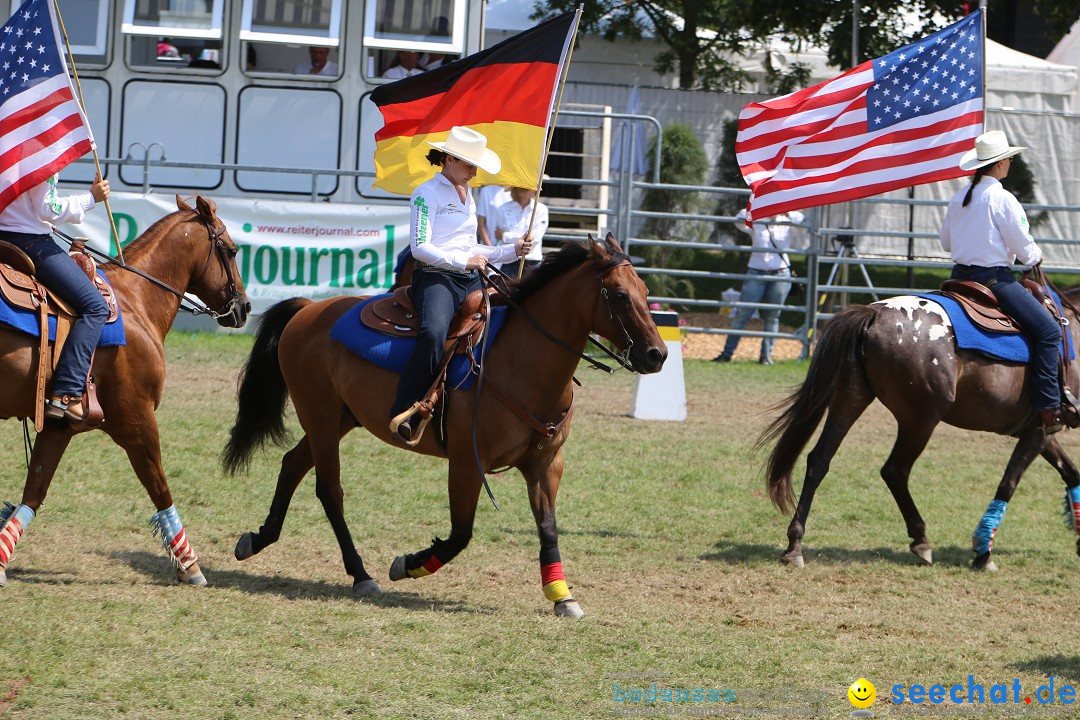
(593, 246)
(180, 204)
(206, 208)
(613, 243)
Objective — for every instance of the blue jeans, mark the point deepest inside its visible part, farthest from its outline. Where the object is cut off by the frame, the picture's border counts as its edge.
(437, 296)
(772, 292)
(63, 276)
(1043, 331)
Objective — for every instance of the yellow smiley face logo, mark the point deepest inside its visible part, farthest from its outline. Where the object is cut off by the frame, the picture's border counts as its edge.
(862, 694)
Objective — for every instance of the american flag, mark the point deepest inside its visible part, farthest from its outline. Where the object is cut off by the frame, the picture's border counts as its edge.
(902, 119)
(42, 125)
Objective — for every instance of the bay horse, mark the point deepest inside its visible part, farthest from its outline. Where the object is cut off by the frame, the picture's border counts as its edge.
(903, 352)
(186, 251)
(577, 290)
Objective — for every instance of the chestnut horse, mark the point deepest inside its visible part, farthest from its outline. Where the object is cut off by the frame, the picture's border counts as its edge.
(187, 251)
(903, 352)
(578, 290)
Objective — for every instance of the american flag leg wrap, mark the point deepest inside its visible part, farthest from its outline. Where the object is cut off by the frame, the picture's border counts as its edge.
(166, 525)
(16, 521)
(1072, 508)
(983, 538)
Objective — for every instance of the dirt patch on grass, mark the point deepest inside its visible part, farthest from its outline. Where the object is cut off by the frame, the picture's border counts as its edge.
(705, 346)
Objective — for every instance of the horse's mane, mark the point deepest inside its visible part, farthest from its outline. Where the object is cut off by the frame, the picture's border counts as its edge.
(555, 264)
(149, 236)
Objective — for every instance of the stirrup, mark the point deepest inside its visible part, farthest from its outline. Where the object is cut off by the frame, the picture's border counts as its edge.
(417, 432)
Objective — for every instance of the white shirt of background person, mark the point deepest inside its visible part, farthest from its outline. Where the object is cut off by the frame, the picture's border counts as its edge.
(771, 237)
(320, 63)
(408, 64)
(512, 221)
(488, 199)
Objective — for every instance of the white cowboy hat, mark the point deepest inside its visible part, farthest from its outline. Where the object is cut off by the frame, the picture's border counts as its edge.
(989, 148)
(468, 145)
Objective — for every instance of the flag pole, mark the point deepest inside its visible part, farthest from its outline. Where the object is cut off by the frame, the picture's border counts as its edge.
(551, 131)
(982, 6)
(82, 106)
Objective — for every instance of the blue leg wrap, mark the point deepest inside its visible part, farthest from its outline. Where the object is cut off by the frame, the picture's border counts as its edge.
(1072, 508)
(166, 524)
(25, 515)
(983, 538)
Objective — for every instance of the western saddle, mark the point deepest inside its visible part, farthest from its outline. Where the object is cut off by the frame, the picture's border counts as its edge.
(22, 290)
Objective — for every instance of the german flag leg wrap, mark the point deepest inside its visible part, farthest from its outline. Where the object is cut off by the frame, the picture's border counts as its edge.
(14, 523)
(1072, 508)
(555, 587)
(427, 562)
(166, 525)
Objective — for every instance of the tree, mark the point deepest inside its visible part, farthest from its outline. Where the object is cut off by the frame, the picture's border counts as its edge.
(702, 36)
(684, 163)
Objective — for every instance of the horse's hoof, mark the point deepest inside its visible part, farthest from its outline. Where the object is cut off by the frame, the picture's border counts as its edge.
(984, 563)
(793, 559)
(569, 609)
(923, 552)
(3, 578)
(192, 576)
(397, 569)
(244, 547)
(366, 588)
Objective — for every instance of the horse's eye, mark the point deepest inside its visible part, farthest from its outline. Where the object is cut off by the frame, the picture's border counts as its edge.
(622, 296)
(233, 252)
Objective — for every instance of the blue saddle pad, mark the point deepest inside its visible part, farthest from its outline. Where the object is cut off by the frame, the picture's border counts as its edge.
(391, 353)
(26, 321)
(969, 336)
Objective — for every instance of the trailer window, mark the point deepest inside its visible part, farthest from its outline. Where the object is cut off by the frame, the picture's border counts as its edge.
(307, 22)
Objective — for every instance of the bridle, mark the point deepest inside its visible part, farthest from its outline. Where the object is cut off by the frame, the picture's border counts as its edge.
(214, 235)
(622, 358)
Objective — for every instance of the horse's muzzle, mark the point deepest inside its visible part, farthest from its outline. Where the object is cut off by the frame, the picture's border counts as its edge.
(237, 317)
(651, 360)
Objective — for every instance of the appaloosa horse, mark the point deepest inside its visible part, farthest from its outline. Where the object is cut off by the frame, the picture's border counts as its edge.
(186, 251)
(576, 290)
(903, 352)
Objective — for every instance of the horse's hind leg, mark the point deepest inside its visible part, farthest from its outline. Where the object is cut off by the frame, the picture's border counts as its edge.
(295, 464)
(843, 412)
(1054, 455)
(48, 449)
(464, 488)
(911, 439)
(1032, 442)
(328, 489)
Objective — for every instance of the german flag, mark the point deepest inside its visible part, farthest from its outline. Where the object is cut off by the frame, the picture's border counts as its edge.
(506, 92)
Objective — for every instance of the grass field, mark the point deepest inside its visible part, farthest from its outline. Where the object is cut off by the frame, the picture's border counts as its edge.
(667, 539)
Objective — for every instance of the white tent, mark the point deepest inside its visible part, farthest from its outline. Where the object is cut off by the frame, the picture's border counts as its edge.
(1067, 52)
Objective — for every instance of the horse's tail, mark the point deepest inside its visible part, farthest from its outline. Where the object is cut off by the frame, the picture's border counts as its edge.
(261, 393)
(834, 358)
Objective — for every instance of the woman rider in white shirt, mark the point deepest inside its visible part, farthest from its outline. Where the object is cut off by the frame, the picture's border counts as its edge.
(28, 223)
(986, 230)
(448, 258)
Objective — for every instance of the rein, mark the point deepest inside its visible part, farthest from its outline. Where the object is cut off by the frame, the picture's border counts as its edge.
(199, 308)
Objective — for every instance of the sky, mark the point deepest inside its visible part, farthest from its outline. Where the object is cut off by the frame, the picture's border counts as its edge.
(509, 14)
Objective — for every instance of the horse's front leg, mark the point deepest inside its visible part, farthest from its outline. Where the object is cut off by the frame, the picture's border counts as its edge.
(542, 476)
(1054, 455)
(49, 447)
(1032, 442)
(138, 436)
(464, 488)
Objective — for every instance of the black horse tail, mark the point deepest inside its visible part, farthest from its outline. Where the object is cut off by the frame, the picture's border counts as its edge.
(261, 393)
(835, 357)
